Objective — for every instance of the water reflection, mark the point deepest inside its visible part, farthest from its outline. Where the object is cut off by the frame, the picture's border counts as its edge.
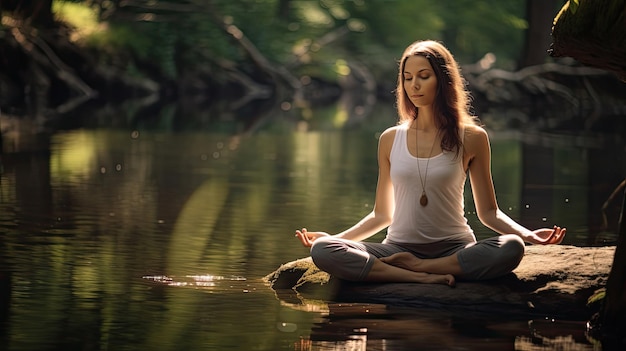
(380, 327)
(85, 214)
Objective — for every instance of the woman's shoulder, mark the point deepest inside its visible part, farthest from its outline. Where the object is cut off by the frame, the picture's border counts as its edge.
(389, 133)
(475, 138)
(473, 132)
(387, 137)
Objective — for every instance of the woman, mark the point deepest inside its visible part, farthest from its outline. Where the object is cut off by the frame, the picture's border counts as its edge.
(423, 163)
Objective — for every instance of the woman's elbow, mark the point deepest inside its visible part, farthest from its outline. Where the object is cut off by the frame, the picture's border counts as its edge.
(486, 217)
(384, 219)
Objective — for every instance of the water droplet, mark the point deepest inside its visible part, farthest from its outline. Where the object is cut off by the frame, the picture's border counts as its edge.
(216, 154)
(118, 167)
(527, 206)
(103, 170)
(287, 327)
(566, 200)
(544, 219)
(134, 134)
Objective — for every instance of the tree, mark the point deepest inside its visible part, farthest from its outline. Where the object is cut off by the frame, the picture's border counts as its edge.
(539, 15)
(594, 33)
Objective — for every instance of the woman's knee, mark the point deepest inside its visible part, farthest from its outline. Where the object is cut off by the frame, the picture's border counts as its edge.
(341, 258)
(492, 258)
(515, 246)
(322, 253)
(512, 248)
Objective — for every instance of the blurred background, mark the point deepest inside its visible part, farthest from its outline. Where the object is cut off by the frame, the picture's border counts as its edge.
(156, 157)
(187, 64)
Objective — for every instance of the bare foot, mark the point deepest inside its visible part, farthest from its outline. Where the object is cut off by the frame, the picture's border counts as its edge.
(428, 278)
(404, 260)
(447, 279)
(411, 263)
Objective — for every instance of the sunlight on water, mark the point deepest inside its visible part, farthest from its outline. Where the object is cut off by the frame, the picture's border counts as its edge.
(204, 281)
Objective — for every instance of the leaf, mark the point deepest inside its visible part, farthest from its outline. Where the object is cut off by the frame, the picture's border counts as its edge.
(573, 6)
(599, 295)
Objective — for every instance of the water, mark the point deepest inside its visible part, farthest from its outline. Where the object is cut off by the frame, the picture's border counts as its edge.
(130, 239)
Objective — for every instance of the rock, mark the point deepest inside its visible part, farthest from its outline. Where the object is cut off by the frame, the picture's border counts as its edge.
(552, 281)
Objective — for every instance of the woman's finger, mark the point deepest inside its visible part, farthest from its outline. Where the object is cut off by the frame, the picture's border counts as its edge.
(304, 239)
(558, 235)
(561, 235)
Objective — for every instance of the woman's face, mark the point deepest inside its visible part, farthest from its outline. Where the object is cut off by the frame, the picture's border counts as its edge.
(420, 81)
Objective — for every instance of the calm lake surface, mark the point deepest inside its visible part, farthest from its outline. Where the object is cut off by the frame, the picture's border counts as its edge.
(125, 238)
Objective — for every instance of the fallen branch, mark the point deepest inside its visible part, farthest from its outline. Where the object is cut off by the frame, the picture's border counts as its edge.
(43, 55)
(255, 55)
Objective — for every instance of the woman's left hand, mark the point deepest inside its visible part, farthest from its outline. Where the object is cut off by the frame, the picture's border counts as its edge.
(545, 236)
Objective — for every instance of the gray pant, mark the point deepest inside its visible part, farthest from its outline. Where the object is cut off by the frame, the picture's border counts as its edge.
(486, 259)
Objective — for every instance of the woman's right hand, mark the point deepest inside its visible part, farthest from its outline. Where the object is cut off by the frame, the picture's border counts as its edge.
(307, 238)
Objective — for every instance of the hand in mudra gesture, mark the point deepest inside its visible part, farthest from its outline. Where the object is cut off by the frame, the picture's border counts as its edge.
(546, 236)
(307, 238)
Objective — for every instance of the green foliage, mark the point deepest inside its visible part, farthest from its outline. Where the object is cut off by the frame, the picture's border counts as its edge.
(258, 20)
(171, 45)
(473, 28)
(175, 38)
(78, 15)
(573, 6)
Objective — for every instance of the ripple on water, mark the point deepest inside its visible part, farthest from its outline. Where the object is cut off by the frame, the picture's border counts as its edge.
(199, 281)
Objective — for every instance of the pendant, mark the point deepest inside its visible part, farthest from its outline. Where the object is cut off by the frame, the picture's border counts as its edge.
(424, 200)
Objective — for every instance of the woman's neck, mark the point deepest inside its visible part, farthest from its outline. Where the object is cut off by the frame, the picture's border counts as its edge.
(425, 120)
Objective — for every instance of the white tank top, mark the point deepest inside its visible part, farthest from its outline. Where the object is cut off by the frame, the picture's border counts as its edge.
(444, 216)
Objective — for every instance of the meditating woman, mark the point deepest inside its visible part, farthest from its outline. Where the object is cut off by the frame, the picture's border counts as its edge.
(423, 164)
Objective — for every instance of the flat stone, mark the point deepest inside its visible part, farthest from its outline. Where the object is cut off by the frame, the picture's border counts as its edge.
(553, 281)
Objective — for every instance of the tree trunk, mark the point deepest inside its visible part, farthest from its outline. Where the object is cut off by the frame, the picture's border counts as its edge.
(594, 33)
(613, 317)
(284, 10)
(539, 14)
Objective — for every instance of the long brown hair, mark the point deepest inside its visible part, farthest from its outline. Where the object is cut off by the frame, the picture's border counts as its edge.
(452, 103)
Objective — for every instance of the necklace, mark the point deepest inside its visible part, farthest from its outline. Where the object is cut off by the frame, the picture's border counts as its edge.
(424, 198)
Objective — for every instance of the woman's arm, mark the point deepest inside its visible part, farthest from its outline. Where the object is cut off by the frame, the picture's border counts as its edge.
(381, 215)
(477, 159)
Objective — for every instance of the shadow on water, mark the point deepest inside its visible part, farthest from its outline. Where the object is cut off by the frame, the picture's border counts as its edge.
(365, 326)
(140, 233)
(373, 327)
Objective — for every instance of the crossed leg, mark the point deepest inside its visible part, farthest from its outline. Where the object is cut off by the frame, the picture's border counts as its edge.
(383, 271)
(360, 261)
(442, 265)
